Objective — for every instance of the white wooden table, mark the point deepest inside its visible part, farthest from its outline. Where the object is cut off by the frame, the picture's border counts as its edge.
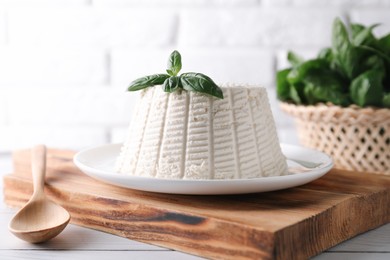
(81, 243)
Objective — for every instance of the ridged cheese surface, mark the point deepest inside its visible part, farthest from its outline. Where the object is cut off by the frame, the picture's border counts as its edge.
(187, 135)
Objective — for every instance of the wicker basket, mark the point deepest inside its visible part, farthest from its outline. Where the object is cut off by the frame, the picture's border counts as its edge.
(356, 138)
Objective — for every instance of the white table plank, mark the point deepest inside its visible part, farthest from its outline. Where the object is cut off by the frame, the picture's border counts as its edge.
(95, 255)
(377, 240)
(353, 256)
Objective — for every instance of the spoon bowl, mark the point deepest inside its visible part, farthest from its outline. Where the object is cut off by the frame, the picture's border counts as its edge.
(40, 219)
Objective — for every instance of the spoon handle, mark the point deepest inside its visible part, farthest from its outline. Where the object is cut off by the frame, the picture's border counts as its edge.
(38, 167)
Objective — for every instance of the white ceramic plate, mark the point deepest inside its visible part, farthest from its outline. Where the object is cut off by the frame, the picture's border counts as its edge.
(304, 165)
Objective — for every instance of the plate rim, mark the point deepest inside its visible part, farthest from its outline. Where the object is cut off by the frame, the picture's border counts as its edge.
(100, 174)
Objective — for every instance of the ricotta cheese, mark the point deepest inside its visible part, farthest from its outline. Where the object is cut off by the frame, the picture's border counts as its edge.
(188, 135)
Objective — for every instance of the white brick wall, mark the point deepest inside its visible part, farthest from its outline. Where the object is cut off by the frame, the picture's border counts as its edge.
(65, 64)
(3, 108)
(68, 137)
(258, 26)
(69, 106)
(3, 26)
(29, 65)
(34, 3)
(327, 3)
(92, 27)
(174, 3)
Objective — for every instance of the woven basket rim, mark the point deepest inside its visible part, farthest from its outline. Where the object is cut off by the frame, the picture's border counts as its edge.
(331, 113)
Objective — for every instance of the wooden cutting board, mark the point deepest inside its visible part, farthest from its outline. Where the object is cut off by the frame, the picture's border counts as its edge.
(290, 224)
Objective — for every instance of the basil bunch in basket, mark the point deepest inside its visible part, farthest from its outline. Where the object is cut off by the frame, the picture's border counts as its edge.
(354, 70)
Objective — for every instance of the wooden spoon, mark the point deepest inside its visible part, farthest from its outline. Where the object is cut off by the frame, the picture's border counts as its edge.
(40, 219)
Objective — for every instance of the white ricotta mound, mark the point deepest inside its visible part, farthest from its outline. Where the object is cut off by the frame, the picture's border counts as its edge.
(188, 135)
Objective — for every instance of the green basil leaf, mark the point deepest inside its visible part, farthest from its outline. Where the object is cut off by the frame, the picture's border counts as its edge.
(296, 93)
(148, 81)
(294, 59)
(326, 54)
(375, 51)
(340, 38)
(349, 62)
(282, 85)
(374, 62)
(386, 100)
(174, 63)
(384, 44)
(299, 73)
(356, 28)
(171, 84)
(326, 86)
(367, 89)
(386, 81)
(364, 36)
(346, 55)
(200, 83)
(315, 94)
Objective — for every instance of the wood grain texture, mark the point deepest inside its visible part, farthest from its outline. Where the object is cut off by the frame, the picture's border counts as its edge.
(289, 224)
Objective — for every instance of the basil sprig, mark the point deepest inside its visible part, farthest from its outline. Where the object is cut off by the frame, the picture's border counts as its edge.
(172, 82)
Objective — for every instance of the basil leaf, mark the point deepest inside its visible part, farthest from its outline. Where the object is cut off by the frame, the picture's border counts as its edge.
(386, 100)
(174, 63)
(326, 86)
(148, 81)
(171, 84)
(356, 28)
(340, 38)
(375, 51)
(367, 89)
(373, 62)
(282, 85)
(294, 59)
(296, 93)
(326, 54)
(315, 94)
(364, 36)
(347, 57)
(384, 44)
(299, 73)
(200, 83)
